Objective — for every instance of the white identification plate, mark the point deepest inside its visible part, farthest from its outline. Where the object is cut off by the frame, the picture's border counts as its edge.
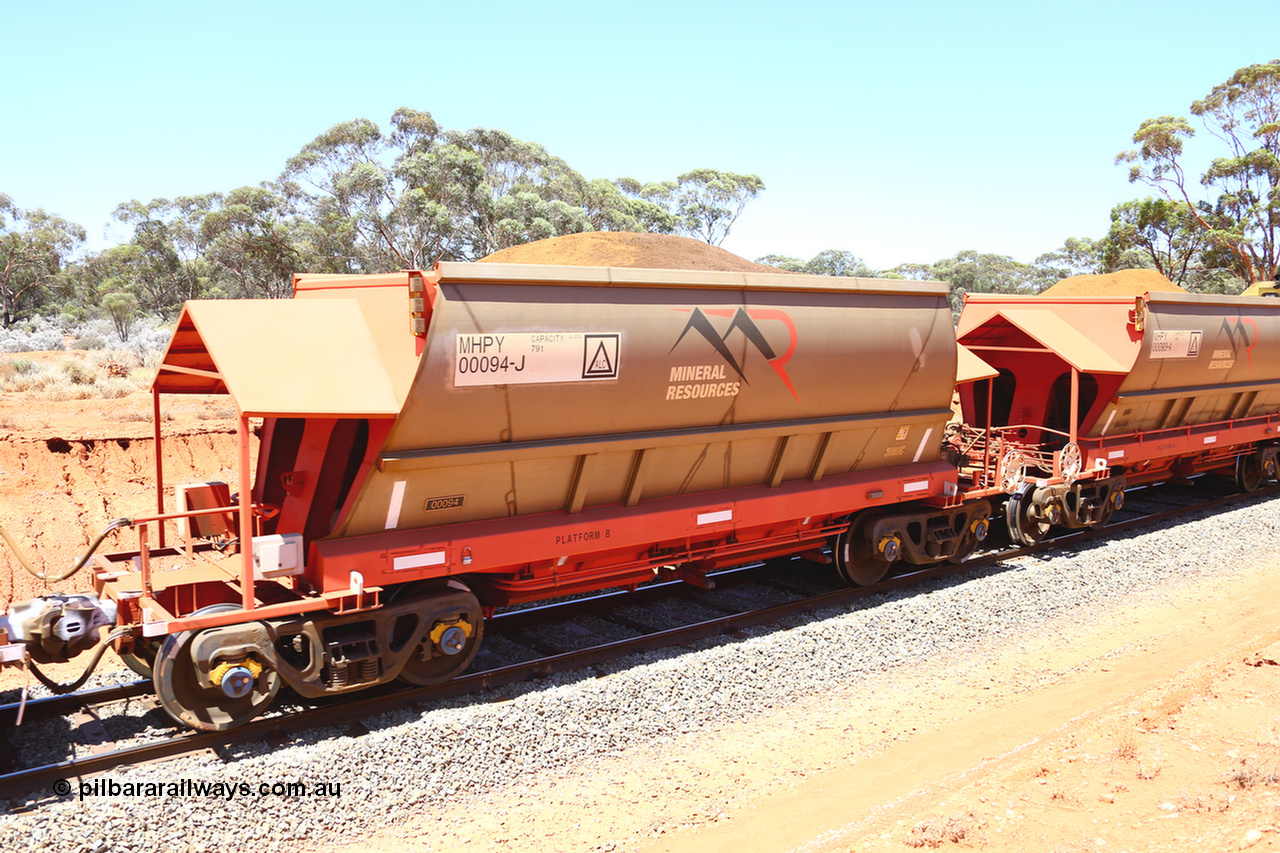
(1176, 343)
(521, 358)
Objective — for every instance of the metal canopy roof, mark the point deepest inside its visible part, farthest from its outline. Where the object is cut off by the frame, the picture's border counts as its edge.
(280, 357)
(1088, 343)
(971, 368)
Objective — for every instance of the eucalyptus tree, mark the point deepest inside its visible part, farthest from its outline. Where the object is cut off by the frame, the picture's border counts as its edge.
(524, 193)
(1237, 207)
(167, 265)
(709, 202)
(34, 248)
(974, 272)
(619, 206)
(424, 193)
(1077, 256)
(375, 201)
(703, 203)
(340, 180)
(836, 262)
(121, 308)
(250, 236)
(1164, 235)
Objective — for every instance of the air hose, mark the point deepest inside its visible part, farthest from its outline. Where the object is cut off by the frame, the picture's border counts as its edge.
(76, 566)
(61, 689)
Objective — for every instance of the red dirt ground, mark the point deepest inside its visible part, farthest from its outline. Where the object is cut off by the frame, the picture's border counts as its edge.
(67, 468)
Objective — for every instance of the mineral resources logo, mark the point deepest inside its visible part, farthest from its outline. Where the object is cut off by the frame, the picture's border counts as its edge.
(700, 381)
(1233, 326)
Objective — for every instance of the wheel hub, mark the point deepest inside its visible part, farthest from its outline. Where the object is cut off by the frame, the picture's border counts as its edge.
(449, 646)
(451, 637)
(237, 682)
(453, 640)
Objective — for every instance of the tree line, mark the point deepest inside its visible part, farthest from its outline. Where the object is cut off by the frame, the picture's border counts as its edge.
(358, 200)
(353, 200)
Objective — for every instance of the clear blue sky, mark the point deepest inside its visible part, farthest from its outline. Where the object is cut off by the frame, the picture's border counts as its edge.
(899, 131)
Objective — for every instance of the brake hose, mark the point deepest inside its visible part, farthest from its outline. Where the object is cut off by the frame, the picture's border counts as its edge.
(76, 566)
(61, 689)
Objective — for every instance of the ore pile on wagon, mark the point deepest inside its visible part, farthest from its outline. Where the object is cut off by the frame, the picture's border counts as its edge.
(437, 444)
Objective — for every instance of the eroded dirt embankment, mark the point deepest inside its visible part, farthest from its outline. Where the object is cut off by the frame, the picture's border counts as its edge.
(57, 494)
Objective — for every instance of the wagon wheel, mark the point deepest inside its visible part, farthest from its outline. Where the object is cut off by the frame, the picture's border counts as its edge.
(1024, 528)
(207, 706)
(1114, 501)
(1249, 472)
(142, 658)
(969, 538)
(1070, 463)
(856, 560)
(448, 646)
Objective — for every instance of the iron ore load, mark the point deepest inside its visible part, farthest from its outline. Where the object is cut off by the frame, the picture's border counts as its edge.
(437, 444)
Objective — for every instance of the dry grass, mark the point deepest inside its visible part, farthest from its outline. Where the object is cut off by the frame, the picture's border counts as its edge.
(1206, 803)
(1248, 774)
(1125, 748)
(136, 413)
(1150, 769)
(1126, 745)
(105, 375)
(938, 831)
(1271, 732)
(218, 410)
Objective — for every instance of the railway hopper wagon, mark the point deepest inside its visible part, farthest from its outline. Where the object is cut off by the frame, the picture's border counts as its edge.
(436, 444)
(1086, 395)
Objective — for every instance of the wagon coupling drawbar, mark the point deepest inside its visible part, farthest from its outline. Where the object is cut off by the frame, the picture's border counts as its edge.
(57, 626)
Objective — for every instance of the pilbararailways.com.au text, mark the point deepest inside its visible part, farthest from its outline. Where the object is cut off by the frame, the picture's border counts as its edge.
(197, 788)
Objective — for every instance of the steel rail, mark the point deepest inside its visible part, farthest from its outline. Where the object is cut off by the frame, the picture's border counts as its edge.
(67, 703)
(43, 707)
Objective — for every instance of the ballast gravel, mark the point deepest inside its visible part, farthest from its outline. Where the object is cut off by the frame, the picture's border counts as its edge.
(475, 746)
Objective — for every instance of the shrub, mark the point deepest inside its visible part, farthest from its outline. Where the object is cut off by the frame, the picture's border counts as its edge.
(115, 388)
(79, 372)
(38, 335)
(88, 342)
(62, 388)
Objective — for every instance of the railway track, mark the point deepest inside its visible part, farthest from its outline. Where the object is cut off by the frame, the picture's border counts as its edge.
(1144, 506)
